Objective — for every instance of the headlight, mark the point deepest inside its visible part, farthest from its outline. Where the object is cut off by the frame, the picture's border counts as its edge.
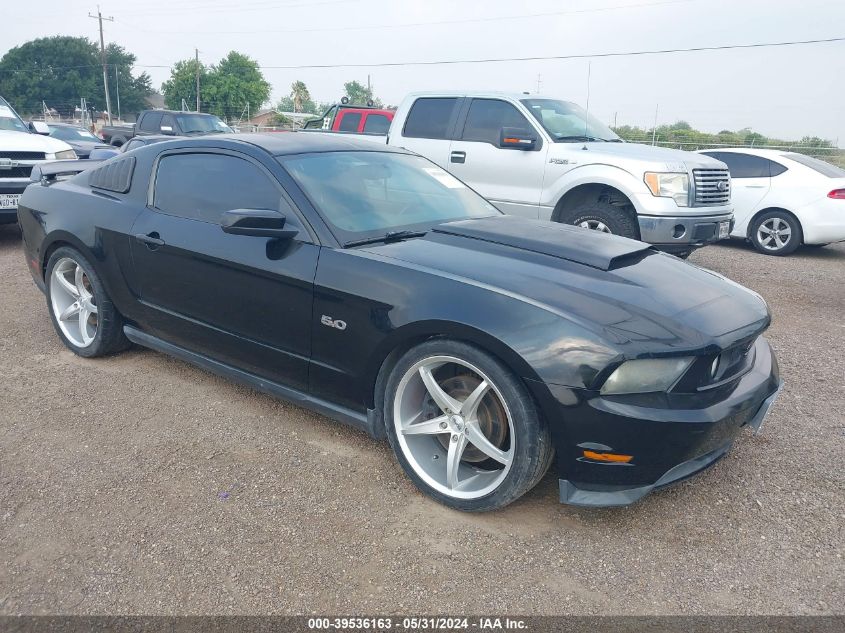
(67, 154)
(648, 374)
(675, 186)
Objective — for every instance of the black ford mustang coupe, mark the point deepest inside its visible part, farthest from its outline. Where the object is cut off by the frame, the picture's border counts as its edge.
(368, 284)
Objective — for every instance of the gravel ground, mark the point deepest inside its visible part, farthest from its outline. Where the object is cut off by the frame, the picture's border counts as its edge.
(140, 485)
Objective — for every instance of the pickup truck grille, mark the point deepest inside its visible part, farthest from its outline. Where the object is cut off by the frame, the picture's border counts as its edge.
(23, 155)
(712, 187)
(21, 171)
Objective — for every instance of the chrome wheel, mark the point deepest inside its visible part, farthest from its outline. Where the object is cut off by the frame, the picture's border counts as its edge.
(595, 225)
(454, 427)
(774, 234)
(73, 303)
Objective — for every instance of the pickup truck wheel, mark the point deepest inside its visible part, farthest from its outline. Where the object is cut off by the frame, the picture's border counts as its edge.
(82, 312)
(463, 427)
(604, 217)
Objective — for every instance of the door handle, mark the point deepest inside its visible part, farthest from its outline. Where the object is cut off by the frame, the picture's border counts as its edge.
(458, 157)
(152, 240)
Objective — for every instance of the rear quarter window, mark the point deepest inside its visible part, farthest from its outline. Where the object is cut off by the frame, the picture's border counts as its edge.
(825, 169)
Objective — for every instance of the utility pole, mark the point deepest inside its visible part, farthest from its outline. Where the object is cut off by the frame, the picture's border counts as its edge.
(654, 129)
(197, 58)
(538, 83)
(117, 90)
(99, 17)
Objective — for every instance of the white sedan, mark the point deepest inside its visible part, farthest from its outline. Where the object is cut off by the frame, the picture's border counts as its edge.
(782, 199)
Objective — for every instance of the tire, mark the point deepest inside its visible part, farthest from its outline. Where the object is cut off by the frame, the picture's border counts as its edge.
(92, 325)
(769, 230)
(604, 217)
(503, 420)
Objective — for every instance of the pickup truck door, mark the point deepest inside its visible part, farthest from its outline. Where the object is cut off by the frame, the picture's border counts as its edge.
(428, 128)
(242, 300)
(512, 179)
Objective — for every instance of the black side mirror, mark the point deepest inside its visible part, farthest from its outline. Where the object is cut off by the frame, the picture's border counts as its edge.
(517, 138)
(256, 222)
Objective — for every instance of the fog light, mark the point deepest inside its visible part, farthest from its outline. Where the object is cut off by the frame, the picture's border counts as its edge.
(680, 231)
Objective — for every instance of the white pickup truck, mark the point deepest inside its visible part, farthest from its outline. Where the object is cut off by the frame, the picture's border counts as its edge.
(21, 147)
(541, 157)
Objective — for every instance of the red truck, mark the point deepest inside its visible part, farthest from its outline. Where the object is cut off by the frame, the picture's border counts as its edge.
(353, 119)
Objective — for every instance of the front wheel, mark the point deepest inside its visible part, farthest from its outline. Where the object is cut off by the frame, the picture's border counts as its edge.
(776, 233)
(605, 218)
(463, 428)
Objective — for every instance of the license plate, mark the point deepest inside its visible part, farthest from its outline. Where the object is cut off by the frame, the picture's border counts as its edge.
(724, 230)
(9, 200)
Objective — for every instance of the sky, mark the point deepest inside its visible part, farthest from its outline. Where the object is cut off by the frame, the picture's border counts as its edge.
(786, 92)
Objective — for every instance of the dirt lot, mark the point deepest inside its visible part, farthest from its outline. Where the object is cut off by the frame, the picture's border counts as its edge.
(138, 484)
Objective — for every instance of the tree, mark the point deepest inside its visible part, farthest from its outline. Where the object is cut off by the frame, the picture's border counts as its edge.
(133, 90)
(183, 84)
(60, 70)
(359, 94)
(300, 95)
(232, 84)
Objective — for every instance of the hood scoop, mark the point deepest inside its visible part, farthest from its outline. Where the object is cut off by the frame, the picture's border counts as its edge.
(572, 243)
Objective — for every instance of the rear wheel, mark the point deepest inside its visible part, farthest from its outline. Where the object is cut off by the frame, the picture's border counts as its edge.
(603, 217)
(464, 429)
(82, 313)
(776, 233)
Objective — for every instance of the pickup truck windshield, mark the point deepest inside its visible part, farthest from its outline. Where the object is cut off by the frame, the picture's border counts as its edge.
(9, 120)
(73, 134)
(567, 122)
(369, 194)
(201, 124)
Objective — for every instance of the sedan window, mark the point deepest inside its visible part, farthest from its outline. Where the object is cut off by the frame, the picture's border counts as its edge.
(746, 165)
(825, 169)
(203, 186)
(363, 194)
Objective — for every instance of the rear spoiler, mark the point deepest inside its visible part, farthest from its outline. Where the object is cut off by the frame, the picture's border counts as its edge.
(48, 173)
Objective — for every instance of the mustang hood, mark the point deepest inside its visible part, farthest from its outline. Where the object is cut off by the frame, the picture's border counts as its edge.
(623, 289)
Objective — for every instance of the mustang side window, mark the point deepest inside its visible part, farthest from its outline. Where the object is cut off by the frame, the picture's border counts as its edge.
(202, 186)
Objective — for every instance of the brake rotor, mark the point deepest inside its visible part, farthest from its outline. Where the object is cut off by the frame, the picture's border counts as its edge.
(491, 415)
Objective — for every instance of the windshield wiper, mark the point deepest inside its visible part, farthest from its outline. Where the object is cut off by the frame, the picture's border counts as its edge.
(390, 236)
(580, 137)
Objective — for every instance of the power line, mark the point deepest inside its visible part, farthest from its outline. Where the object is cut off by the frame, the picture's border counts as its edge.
(559, 57)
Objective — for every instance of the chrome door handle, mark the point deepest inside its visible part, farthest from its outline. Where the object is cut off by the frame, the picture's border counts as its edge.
(458, 157)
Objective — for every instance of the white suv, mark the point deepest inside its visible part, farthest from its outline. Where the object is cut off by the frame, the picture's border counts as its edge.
(541, 157)
(22, 147)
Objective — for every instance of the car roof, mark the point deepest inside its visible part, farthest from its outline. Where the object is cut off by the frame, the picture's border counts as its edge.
(482, 94)
(57, 124)
(305, 142)
(763, 153)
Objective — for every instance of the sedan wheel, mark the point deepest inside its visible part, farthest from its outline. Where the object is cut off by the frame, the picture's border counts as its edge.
(73, 303)
(776, 233)
(80, 308)
(463, 428)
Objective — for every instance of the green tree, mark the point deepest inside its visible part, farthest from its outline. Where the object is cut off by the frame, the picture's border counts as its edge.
(300, 95)
(359, 94)
(183, 85)
(133, 90)
(232, 84)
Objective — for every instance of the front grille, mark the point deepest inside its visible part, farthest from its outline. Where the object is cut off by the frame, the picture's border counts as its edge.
(21, 171)
(712, 187)
(23, 155)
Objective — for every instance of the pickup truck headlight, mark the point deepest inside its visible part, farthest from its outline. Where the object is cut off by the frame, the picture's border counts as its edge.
(645, 375)
(669, 185)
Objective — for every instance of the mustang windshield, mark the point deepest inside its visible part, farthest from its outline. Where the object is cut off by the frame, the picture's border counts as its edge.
(567, 122)
(370, 194)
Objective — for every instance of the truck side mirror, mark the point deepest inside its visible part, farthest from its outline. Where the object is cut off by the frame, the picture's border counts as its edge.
(167, 129)
(517, 138)
(39, 127)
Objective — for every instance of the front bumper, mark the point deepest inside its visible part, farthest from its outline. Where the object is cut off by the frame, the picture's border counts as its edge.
(16, 186)
(681, 233)
(669, 436)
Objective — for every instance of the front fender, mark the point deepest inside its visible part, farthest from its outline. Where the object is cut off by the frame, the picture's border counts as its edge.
(608, 175)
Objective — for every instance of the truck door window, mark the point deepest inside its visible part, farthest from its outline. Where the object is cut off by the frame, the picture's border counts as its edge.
(486, 117)
(167, 121)
(430, 117)
(376, 124)
(349, 121)
(151, 122)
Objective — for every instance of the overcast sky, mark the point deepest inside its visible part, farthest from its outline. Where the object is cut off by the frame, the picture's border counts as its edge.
(787, 92)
